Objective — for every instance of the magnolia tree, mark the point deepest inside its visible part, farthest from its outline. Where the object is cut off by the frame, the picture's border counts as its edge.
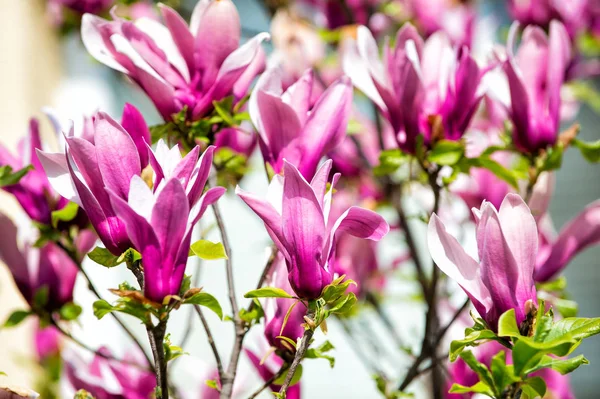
(362, 108)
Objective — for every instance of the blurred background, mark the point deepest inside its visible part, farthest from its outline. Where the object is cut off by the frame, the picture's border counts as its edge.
(39, 68)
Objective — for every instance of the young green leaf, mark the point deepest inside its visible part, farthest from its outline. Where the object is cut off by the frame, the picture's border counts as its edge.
(65, 214)
(534, 387)
(102, 308)
(206, 300)
(268, 292)
(563, 366)
(102, 256)
(507, 325)
(70, 311)
(480, 387)
(319, 353)
(16, 318)
(208, 250)
(446, 152)
(8, 178)
(295, 379)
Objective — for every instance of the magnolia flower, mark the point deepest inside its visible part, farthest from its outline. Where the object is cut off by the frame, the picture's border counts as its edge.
(334, 14)
(276, 310)
(298, 45)
(33, 191)
(296, 217)
(159, 222)
(180, 66)
(557, 250)
(33, 269)
(558, 385)
(110, 379)
(535, 76)
(287, 126)
(268, 368)
(455, 19)
(47, 342)
(574, 14)
(83, 6)
(88, 168)
(507, 244)
(420, 87)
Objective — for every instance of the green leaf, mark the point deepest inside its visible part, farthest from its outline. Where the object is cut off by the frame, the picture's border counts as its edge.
(8, 178)
(558, 285)
(590, 151)
(254, 315)
(16, 318)
(208, 250)
(224, 112)
(446, 152)
(268, 292)
(480, 387)
(172, 352)
(389, 162)
(472, 338)
(3, 373)
(102, 308)
(566, 307)
(585, 92)
(497, 169)
(554, 157)
(212, 384)
(502, 373)
(83, 394)
(207, 300)
(563, 366)
(534, 387)
(344, 304)
(480, 369)
(319, 353)
(40, 298)
(333, 292)
(295, 379)
(574, 328)
(507, 325)
(104, 257)
(70, 311)
(65, 214)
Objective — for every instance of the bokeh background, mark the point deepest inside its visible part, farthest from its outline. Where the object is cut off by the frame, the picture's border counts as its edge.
(37, 68)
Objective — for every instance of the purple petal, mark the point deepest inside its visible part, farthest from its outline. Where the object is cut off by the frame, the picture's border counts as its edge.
(299, 95)
(168, 218)
(218, 35)
(580, 233)
(118, 158)
(320, 179)
(200, 175)
(183, 170)
(133, 122)
(304, 231)
(326, 125)
(452, 259)
(182, 36)
(210, 197)
(13, 257)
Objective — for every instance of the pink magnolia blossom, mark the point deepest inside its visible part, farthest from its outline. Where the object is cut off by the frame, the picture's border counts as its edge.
(535, 76)
(557, 250)
(180, 66)
(83, 6)
(289, 128)
(296, 216)
(507, 244)
(455, 19)
(34, 268)
(421, 87)
(47, 342)
(574, 14)
(33, 191)
(109, 379)
(159, 220)
(106, 159)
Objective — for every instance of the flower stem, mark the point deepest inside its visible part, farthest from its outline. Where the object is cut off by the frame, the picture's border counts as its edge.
(300, 351)
(156, 336)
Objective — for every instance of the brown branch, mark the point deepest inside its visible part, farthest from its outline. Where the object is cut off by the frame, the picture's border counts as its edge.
(156, 336)
(269, 382)
(211, 340)
(300, 351)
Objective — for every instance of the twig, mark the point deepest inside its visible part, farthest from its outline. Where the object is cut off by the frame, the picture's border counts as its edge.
(75, 258)
(211, 340)
(156, 336)
(444, 330)
(300, 351)
(240, 331)
(269, 382)
(95, 352)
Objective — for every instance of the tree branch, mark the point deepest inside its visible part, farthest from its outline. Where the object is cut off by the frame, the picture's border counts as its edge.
(269, 382)
(156, 336)
(211, 340)
(300, 351)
